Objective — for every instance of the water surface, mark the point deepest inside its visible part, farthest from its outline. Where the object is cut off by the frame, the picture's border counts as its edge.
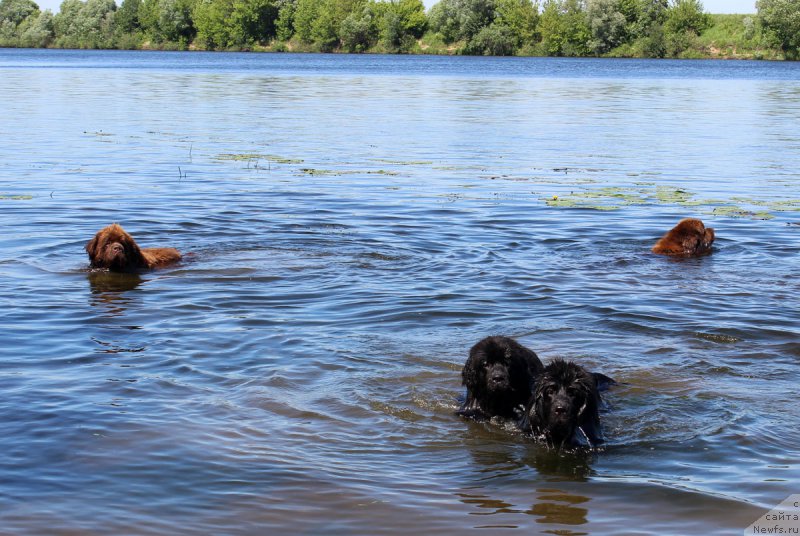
(354, 224)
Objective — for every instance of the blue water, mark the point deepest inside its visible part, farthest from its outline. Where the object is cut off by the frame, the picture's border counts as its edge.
(352, 225)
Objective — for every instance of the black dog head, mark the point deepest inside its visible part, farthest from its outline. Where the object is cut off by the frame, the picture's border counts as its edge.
(498, 376)
(564, 406)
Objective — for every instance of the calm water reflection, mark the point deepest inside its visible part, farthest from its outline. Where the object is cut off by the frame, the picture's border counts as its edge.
(354, 225)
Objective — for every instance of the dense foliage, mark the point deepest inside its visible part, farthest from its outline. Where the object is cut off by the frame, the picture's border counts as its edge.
(781, 19)
(627, 28)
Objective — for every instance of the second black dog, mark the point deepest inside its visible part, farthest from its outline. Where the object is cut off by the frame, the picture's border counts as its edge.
(564, 407)
(499, 375)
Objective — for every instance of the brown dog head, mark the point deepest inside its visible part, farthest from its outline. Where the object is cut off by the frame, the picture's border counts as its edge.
(114, 249)
(690, 237)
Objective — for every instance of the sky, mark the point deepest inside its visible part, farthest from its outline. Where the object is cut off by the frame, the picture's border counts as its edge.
(712, 6)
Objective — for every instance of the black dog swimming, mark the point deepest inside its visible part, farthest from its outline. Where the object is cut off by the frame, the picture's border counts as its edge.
(564, 407)
(499, 376)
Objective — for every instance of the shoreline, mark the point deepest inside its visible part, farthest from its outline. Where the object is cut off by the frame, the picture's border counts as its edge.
(280, 48)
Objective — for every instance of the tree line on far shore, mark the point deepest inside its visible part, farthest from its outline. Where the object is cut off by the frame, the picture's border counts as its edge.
(618, 28)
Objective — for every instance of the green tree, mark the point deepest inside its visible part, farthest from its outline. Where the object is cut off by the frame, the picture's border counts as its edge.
(781, 20)
(521, 17)
(325, 28)
(168, 20)
(608, 24)
(284, 24)
(411, 16)
(127, 17)
(492, 40)
(400, 23)
(685, 22)
(652, 12)
(212, 19)
(687, 16)
(85, 24)
(649, 28)
(15, 17)
(459, 20)
(234, 23)
(38, 30)
(256, 19)
(320, 21)
(564, 28)
(305, 14)
(358, 31)
(16, 11)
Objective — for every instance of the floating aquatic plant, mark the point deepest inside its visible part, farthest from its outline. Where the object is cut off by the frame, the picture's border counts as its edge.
(739, 212)
(403, 162)
(247, 157)
(340, 172)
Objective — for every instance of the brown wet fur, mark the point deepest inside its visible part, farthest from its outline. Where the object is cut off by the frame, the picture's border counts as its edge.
(114, 249)
(687, 239)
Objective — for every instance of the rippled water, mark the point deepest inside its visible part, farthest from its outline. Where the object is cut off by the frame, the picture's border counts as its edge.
(354, 225)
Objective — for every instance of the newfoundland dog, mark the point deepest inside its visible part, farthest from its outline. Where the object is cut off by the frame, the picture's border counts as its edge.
(498, 375)
(563, 410)
(115, 250)
(687, 239)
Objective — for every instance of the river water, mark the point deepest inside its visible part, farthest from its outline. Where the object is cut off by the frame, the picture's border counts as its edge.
(353, 225)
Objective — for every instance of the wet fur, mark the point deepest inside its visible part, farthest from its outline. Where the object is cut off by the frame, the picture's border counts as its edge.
(498, 375)
(115, 250)
(687, 239)
(564, 407)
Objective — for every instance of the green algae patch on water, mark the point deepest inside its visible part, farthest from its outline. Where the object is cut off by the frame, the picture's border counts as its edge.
(756, 209)
(341, 172)
(648, 193)
(787, 205)
(572, 202)
(249, 157)
(15, 197)
(403, 162)
(678, 196)
(622, 195)
(608, 198)
(283, 159)
(739, 212)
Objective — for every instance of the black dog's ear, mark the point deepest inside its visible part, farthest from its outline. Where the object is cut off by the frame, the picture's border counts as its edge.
(524, 423)
(470, 378)
(589, 421)
(534, 416)
(471, 372)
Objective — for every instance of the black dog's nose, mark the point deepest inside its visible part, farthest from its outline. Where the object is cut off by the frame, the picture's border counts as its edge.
(559, 409)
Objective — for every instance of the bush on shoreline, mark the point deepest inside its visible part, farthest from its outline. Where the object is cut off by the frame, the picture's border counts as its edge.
(595, 28)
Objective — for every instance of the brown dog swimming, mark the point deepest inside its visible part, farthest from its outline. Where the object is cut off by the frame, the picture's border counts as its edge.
(687, 239)
(114, 249)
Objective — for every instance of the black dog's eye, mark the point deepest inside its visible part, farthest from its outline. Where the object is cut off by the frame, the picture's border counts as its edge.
(549, 391)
